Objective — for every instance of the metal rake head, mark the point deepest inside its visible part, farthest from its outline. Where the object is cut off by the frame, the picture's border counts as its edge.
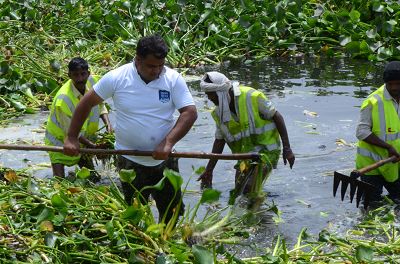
(357, 187)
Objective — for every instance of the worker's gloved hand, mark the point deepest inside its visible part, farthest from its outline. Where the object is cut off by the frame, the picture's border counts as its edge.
(206, 179)
(288, 156)
(71, 146)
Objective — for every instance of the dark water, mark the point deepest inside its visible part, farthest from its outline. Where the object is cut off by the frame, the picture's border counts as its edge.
(331, 88)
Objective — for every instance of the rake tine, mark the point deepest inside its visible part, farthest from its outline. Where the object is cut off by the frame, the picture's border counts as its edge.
(353, 188)
(336, 181)
(345, 183)
(353, 184)
(360, 192)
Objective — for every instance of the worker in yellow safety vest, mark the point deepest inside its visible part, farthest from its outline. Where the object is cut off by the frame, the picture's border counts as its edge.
(248, 122)
(61, 111)
(378, 132)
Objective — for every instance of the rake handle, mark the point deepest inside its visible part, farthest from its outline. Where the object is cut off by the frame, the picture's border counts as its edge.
(198, 155)
(377, 165)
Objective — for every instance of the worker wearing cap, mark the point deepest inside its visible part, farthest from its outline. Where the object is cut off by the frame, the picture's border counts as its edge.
(378, 132)
(248, 122)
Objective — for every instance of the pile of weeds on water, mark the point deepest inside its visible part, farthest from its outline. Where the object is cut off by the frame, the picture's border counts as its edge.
(58, 221)
(376, 239)
(105, 140)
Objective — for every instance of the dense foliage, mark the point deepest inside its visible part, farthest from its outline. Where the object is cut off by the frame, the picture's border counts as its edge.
(58, 221)
(39, 37)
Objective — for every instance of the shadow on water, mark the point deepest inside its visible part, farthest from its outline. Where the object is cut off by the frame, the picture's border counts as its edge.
(319, 99)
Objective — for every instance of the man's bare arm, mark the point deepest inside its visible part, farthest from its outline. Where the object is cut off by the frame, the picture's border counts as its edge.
(71, 143)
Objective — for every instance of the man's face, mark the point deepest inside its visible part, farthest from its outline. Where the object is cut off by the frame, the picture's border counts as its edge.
(394, 88)
(213, 97)
(149, 67)
(79, 78)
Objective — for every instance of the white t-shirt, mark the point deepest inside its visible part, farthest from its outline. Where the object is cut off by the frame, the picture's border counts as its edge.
(144, 112)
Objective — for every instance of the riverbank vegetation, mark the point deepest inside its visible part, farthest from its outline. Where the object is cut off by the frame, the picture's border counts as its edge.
(38, 38)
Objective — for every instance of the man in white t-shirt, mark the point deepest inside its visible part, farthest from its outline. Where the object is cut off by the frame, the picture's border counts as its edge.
(145, 93)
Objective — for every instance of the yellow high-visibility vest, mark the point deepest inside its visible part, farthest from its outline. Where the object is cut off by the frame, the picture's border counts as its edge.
(67, 102)
(386, 126)
(251, 133)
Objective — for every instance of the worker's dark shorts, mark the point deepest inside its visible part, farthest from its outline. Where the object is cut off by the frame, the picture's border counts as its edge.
(148, 176)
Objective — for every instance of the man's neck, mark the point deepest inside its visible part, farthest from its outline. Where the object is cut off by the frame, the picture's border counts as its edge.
(141, 77)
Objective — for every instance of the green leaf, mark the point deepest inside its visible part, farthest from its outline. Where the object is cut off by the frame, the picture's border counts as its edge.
(364, 47)
(133, 214)
(355, 15)
(46, 214)
(159, 184)
(174, 177)
(180, 254)
(127, 175)
(30, 110)
(58, 202)
(83, 173)
(110, 229)
(364, 253)
(353, 47)
(209, 196)
(17, 105)
(202, 255)
(199, 170)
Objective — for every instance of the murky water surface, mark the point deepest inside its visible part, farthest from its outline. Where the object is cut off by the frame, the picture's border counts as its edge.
(319, 99)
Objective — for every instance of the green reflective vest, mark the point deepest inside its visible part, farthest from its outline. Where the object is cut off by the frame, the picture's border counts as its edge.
(67, 102)
(386, 126)
(251, 133)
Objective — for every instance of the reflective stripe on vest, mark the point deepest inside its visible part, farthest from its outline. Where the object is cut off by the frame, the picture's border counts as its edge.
(254, 138)
(386, 126)
(53, 140)
(54, 131)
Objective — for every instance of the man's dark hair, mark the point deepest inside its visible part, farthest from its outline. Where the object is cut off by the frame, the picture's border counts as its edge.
(78, 63)
(154, 45)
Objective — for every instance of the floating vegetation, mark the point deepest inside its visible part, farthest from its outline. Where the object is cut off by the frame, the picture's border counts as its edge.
(40, 37)
(105, 140)
(58, 221)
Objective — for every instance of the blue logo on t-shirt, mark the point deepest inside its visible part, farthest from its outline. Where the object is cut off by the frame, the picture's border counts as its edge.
(163, 96)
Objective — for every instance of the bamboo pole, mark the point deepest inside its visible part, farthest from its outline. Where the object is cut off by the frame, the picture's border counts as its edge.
(195, 155)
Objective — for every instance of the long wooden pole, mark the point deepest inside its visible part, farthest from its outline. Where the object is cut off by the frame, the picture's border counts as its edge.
(377, 164)
(196, 155)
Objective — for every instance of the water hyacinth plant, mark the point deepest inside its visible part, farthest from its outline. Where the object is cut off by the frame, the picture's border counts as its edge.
(40, 37)
(58, 221)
